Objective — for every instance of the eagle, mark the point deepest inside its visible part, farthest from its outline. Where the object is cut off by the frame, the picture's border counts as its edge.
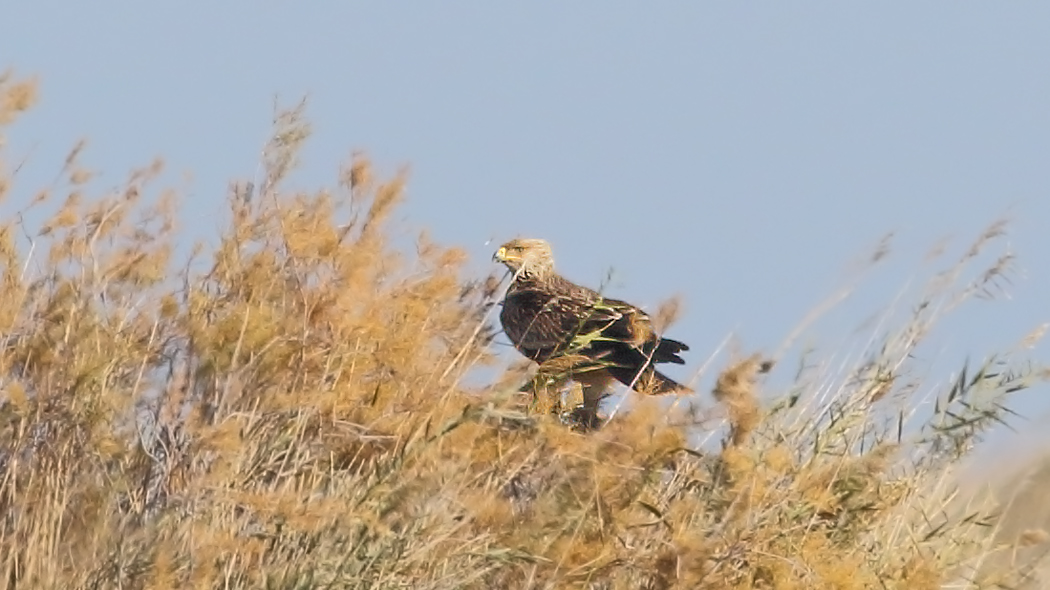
(548, 317)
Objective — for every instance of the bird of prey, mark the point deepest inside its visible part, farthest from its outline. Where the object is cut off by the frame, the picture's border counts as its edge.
(547, 317)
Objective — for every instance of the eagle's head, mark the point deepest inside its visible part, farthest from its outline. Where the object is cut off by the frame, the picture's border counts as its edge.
(527, 258)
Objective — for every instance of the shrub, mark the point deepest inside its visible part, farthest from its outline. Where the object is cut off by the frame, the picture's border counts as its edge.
(292, 410)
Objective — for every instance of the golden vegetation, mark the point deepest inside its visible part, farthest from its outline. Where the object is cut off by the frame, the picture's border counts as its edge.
(289, 411)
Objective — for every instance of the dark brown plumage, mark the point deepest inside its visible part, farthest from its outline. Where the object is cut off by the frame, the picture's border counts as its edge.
(546, 316)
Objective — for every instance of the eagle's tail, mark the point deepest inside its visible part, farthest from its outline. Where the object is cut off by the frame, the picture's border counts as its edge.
(667, 351)
(650, 381)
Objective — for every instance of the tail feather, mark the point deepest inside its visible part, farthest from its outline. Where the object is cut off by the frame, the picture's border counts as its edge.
(667, 351)
(650, 381)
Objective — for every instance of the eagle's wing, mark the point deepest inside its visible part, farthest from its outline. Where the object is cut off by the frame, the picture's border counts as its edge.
(540, 322)
(635, 329)
(628, 347)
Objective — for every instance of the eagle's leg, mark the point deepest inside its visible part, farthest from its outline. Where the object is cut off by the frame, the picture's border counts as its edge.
(595, 386)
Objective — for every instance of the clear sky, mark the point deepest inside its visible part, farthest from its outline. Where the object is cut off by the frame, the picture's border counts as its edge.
(743, 155)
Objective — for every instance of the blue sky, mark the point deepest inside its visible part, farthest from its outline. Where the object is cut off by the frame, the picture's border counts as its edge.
(743, 155)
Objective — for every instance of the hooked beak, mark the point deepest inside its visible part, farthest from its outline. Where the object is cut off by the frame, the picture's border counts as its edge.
(500, 255)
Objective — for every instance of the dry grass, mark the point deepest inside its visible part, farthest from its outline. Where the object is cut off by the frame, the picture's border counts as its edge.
(289, 412)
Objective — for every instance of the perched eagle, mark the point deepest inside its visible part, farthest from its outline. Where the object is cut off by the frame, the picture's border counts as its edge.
(546, 316)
